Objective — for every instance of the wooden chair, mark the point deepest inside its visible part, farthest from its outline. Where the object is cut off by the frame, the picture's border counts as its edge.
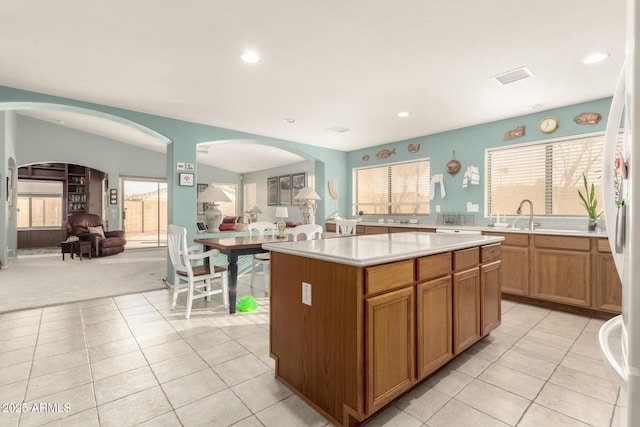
(263, 259)
(196, 278)
(310, 231)
(346, 227)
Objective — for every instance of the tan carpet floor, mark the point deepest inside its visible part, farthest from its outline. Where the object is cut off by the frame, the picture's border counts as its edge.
(38, 281)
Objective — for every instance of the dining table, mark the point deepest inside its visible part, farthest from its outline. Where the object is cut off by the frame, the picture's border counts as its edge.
(236, 246)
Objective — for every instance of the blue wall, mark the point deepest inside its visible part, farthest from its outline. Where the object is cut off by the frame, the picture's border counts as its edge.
(470, 144)
(329, 165)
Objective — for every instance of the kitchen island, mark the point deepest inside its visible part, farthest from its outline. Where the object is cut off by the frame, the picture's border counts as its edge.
(357, 321)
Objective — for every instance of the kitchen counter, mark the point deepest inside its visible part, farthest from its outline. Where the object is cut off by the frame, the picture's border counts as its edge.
(552, 229)
(366, 250)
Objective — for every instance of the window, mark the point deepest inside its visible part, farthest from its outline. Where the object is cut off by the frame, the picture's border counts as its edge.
(39, 204)
(392, 189)
(547, 173)
(227, 208)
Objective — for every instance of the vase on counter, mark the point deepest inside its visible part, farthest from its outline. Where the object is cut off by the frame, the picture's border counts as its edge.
(593, 224)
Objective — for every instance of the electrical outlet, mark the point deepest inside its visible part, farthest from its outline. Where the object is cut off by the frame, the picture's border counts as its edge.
(437, 208)
(306, 293)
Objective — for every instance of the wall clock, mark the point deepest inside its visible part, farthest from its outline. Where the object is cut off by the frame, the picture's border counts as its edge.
(548, 125)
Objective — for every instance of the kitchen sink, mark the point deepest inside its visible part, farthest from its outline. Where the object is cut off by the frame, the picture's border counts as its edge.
(554, 230)
(558, 230)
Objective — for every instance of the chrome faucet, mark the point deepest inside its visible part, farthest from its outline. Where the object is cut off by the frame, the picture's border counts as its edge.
(519, 212)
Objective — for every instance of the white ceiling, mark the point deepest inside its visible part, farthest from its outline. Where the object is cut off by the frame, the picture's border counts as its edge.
(353, 64)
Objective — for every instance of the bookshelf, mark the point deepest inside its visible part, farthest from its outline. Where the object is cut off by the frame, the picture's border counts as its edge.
(76, 189)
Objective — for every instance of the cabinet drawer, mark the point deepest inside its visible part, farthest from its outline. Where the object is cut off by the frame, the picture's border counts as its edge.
(466, 258)
(603, 246)
(431, 267)
(562, 242)
(401, 229)
(490, 252)
(381, 278)
(511, 239)
(375, 229)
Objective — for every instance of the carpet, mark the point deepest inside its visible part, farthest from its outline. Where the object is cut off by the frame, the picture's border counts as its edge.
(38, 281)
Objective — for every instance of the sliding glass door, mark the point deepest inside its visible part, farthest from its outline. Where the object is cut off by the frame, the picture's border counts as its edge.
(145, 213)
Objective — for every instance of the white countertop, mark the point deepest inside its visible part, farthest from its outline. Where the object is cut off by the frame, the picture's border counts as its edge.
(554, 229)
(366, 250)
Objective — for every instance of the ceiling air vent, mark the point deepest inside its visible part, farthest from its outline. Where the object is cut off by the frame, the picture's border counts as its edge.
(338, 129)
(513, 76)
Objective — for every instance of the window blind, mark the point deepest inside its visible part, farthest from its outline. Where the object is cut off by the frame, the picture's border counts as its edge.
(393, 189)
(547, 173)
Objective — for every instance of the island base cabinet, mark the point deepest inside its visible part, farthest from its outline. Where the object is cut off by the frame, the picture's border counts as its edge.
(369, 334)
(389, 347)
(319, 348)
(490, 281)
(466, 309)
(434, 333)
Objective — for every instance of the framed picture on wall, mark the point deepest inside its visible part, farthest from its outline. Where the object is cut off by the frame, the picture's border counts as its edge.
(186, 179)
(284, 190)
(202, 207)
(298, 182)
(272, 191)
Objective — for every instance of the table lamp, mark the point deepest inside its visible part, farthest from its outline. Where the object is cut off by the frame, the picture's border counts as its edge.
(253, 213)
(213, 215)
(308, 197)
(282, 213)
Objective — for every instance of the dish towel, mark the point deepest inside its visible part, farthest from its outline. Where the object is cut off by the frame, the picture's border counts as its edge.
(434, 180)
(471, 176)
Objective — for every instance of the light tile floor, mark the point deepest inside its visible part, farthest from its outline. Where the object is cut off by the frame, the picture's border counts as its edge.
(130, 360)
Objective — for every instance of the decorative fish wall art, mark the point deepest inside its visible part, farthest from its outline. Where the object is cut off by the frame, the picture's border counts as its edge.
(515, 133)
(413, 148)
(587, 119)
(383, 154)
(365, 158)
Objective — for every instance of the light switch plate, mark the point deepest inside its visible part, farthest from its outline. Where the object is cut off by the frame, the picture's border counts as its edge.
(306, 293)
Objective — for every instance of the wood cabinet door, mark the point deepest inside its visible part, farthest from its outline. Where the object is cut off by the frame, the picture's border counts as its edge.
(490, 302)
(389, 346)
(608, 293)
(466, 309)
(433, 323)
(515, 270)
(562, 276)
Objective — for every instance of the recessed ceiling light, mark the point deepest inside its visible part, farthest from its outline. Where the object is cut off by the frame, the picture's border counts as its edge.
(289, 120)
(595, 58)
(403, 114)
(250, 57)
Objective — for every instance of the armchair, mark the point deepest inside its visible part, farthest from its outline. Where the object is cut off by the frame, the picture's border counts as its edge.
(89, 227)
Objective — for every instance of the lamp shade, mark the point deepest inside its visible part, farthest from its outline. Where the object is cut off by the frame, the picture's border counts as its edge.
(307, 193)
(254, 210)
(282, 212)
(213, 195)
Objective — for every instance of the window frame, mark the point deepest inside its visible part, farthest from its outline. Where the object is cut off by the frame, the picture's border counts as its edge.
(389, 203)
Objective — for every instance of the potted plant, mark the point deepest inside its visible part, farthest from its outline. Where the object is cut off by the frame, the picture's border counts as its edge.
(590, 203)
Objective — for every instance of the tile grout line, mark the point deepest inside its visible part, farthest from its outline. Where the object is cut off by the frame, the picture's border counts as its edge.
(33, 356)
